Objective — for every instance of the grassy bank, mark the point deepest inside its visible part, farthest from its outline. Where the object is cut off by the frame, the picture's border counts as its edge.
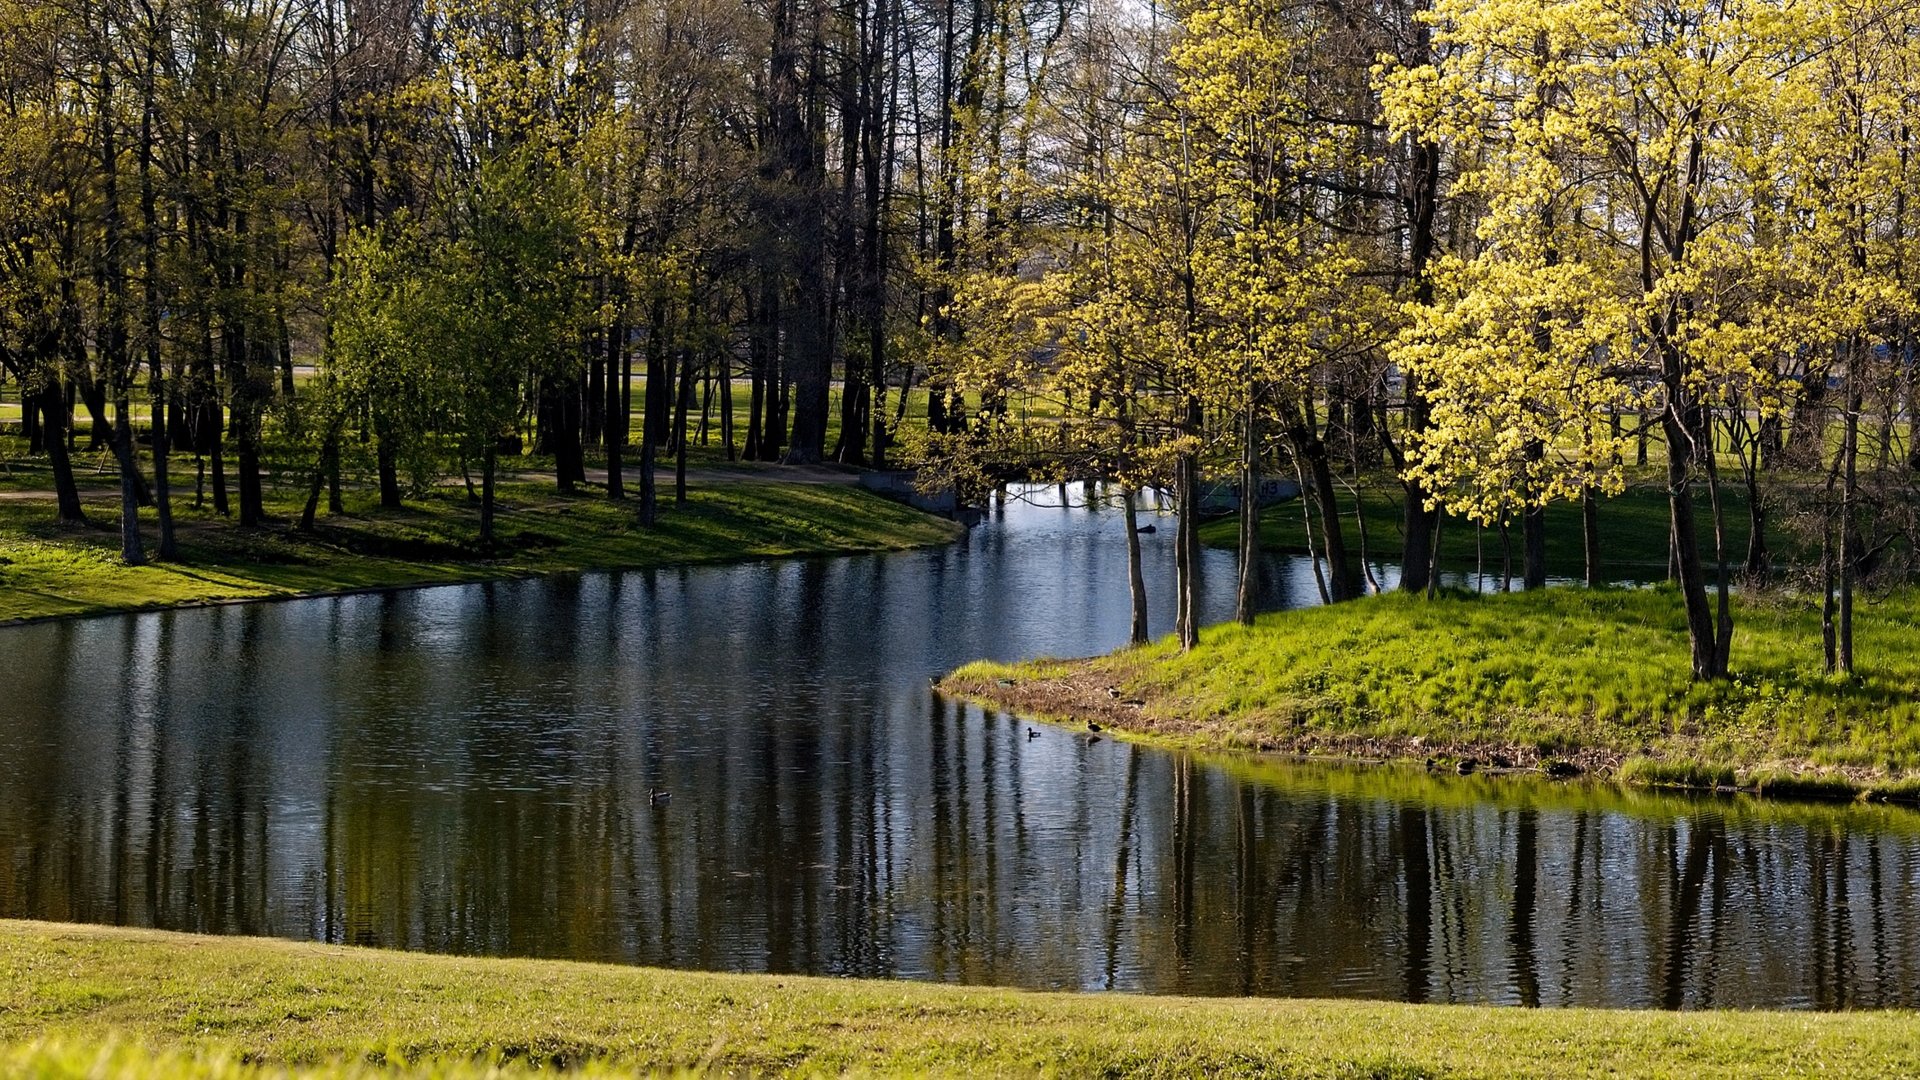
(178, 1005)
(50, 570)
(1595, 678)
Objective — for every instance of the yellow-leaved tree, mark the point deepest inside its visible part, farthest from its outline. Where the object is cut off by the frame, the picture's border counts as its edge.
(1626, 158)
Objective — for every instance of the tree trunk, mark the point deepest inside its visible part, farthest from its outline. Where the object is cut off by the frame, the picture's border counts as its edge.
(386, 461)
(1849, 498)
(1759, 561)
(1247, 601)
(159, 394)
(1702, 633)
(619, 405)
(1136, 581)
(1343, 584)
(1533, 533)
(1590, 535)
(1185, 618)
(130, 551)
(680, 428)
(53, 411)
(486, 495)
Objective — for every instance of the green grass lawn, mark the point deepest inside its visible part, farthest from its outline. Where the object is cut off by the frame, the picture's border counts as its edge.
(47, 570)
(95, 1002)
(1633, 533)
(1597, 676)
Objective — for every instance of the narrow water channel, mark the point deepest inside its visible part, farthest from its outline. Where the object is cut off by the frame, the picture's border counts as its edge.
(474, 769)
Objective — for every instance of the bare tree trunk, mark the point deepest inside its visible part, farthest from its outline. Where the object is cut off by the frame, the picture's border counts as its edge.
(1849, 497)
(1590, 536)
(160, 399)
(487, 462)
(1702, 633)
(653, 416)
(1186, 619)
(54, 417)
(1136, 581)
(117, 363)
(619, 404)
(1308, 447)
(386, 459)
(1533, 533)
(680, 428)
(1248, 600)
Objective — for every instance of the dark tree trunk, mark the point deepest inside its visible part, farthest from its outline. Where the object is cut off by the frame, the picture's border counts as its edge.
(1247, 601)
(1136, 581)
(159, 392)
(680, 428)
(1590, 535)
(619, 362)
(488, 460)
(1849, 499)
(386, 460)
(1417, 523)
(53, 415)
(653, 417)
(1343, 583)
(1533, 533)
(1186, 626)
(1702, 632)
(115, 354)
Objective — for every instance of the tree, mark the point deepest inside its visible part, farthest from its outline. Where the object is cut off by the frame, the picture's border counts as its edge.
(1636, 123)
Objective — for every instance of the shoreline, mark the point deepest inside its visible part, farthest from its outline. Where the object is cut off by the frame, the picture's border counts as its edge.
(1470, 685)
(507, 574)
(1045, 700)
(57, 573)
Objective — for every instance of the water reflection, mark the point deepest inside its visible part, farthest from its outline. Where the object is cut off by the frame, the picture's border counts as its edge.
(469, 769)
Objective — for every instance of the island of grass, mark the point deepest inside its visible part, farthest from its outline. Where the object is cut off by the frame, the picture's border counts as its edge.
(1594, 680)
(50, 570)
(89, 1001)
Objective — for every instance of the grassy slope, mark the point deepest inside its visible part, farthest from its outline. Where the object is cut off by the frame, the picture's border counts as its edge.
(1594, 674)
(205, 1004)
(48, 570)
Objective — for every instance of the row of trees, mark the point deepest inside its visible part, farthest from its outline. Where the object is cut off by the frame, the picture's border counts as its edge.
(1498, 248)
(483, 221)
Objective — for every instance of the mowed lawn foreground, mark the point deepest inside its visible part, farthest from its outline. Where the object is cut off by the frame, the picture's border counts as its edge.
(90, 1001)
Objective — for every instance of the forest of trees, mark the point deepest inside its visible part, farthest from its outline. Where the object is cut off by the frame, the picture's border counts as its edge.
(1505, 252)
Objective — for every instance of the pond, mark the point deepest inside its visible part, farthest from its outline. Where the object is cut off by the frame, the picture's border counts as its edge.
(742, 768)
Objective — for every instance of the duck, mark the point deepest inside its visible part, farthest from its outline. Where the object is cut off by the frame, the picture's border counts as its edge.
(659, 797)
(1032, 734)
(1091, 726)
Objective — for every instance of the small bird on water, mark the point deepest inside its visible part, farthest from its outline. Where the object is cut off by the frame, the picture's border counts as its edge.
(658, 797)
(1091, 726)
(1032, 734)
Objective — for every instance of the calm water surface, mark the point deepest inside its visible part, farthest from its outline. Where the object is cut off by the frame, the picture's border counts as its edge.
(469, 769)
